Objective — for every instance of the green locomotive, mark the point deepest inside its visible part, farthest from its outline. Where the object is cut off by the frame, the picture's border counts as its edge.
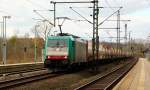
(62, 52)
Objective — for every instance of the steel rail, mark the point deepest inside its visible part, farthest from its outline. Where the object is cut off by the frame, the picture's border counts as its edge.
(20, 68)
(23, 80)
(23, 71)
(107, 85)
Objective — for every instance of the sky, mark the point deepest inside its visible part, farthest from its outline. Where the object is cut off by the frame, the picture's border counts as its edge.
(22, 19)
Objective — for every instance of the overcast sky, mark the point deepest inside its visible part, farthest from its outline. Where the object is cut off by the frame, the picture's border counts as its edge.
(21, 12)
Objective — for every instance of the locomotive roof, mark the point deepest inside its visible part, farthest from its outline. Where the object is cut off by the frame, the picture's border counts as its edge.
(66, 37)
(61, 37)
(67, 34)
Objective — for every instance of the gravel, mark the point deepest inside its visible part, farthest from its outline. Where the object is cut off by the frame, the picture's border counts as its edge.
(64, 81)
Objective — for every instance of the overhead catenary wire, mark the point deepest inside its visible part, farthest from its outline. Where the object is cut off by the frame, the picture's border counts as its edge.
(3, 11)
(42, 17)
(35, 4)
(117, 4)
(148, 2)
(6, 11)
(110, 16)
(81, 16)
(41, 10)
(109, 5)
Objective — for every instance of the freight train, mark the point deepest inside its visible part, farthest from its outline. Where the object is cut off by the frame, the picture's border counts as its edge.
(62, 52)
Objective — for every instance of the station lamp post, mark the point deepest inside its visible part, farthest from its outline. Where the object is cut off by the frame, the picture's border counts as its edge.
(1, 33)
(35, 44)
(130, 41)
(4, 44)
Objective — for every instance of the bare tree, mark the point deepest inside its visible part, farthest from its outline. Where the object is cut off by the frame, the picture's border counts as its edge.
(43, 29)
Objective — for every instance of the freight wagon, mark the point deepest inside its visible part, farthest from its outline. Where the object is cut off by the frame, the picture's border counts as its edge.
(63, 52)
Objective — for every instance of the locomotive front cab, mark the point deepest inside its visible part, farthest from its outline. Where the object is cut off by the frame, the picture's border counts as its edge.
(56, 52)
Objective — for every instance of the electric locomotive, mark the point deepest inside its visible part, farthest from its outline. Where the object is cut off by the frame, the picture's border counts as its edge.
(62, 52)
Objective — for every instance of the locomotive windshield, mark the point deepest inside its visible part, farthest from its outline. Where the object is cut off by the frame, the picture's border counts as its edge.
(56, 43)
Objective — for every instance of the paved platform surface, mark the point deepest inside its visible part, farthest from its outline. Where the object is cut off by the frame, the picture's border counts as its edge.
(138, 77)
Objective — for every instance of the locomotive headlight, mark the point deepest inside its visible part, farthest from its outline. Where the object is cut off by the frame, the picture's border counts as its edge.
(48, 56)
(65, 57)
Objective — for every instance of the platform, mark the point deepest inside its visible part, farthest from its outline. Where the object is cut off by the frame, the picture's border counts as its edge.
(138, 77)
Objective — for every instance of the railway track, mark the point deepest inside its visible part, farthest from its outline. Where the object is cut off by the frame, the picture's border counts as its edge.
(20, 68)
(108, 80)
(103, 82)
(12, 83)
